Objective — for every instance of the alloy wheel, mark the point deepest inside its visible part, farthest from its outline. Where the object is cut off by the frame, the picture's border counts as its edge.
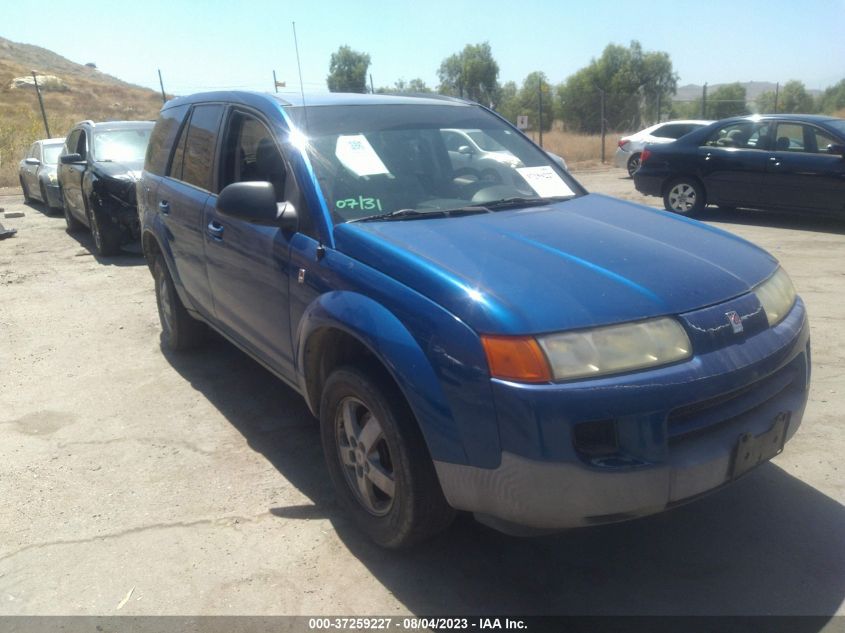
(682, 197)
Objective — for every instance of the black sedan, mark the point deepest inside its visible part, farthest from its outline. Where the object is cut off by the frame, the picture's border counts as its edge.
(98, 169)
(789, 162)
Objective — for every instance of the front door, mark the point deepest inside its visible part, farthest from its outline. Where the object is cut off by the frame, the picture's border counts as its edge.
(801, 173)
(733, 161)
(248, 264)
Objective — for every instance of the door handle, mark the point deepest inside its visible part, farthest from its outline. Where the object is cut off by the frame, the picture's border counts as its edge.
(215, 230)
(164, 207)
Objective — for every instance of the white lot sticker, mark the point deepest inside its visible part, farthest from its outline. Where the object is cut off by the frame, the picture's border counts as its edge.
(545, 181)
(358, 156)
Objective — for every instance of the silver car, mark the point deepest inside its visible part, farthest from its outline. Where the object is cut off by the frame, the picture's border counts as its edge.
(37, 173)
(630, 147)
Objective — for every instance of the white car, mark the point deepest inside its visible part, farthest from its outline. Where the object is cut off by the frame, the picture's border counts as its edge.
(630, 147)
(37, 173)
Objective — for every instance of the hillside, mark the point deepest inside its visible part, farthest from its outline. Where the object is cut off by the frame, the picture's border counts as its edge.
(79, 92)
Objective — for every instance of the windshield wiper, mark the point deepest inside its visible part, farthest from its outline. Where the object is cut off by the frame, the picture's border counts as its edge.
(511, 203)
(416, 214)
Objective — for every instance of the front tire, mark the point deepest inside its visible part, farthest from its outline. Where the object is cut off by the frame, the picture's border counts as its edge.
(26, 197)
(378, 460)
(179, 330)
(684, 196)
(106, 235)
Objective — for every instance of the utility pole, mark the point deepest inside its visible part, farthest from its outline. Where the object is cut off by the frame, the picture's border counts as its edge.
(704, 101)
(659, 95)
(540, 102)
(603, 130)
(372, 90)
(161, 83)
(777, 92)
(41, 103)
(275, 82)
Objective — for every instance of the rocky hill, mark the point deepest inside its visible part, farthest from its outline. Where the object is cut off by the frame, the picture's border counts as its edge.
(71, 91)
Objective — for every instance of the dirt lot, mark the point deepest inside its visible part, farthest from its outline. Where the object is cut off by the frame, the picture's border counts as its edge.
(197, 482)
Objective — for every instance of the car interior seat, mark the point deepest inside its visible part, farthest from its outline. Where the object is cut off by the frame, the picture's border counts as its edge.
(270, 167)
(782, 144)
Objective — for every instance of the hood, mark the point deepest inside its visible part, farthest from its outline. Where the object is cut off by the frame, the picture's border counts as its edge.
(590, 261)
(115, 169)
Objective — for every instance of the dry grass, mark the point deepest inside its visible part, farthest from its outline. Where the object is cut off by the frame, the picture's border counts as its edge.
(91, 95)
(579, 150)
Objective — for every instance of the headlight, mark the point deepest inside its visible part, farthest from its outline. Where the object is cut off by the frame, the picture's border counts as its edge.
(587, 353)
(616, 348)
(777, 295)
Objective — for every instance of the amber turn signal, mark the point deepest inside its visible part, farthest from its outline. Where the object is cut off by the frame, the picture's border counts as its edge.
(517, 358)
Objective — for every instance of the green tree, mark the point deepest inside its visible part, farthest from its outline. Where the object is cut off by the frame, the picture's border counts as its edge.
(508, 105)
(630, 80)
(348, 71)
(415, 86)
(529, 100)
(472, 74)
(795, 98)
(833, 99)
(726, 100)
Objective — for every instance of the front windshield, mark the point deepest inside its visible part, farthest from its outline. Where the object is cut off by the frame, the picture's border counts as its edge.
(372, 160)
(121, 145)
(51, 153)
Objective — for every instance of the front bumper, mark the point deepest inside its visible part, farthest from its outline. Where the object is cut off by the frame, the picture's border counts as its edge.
(677, 430)
(54, 198)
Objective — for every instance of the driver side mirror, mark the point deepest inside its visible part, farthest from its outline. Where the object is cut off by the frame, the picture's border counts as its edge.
(70, 159)
(256, 202)
(32, 161)
(836, 148)
(466, 149)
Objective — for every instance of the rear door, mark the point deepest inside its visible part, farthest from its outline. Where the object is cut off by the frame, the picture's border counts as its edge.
(801, 173)
(732, 162)
(181, 197)
(249, 264)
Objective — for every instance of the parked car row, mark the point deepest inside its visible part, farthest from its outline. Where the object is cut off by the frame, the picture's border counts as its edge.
(504, 344)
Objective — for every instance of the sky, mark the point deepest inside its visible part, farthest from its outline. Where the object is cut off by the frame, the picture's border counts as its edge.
(231, 44)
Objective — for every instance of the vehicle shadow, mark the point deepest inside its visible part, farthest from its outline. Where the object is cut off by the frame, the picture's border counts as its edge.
(130, 255)
(767, 545)
(42, 208)
(775, 219)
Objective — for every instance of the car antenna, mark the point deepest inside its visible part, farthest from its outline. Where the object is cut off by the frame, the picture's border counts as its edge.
(301, 88)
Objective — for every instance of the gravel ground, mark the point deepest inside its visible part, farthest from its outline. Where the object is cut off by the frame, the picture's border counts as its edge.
(196, 481)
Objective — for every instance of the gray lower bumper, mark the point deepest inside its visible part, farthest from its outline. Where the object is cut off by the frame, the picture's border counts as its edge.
(545, 496)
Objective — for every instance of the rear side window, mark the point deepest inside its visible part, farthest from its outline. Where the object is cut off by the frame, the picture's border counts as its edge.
(199, 145)
(162, 138)
(671, 131)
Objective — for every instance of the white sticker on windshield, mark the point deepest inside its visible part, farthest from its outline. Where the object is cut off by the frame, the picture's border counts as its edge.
(358, 156)
(545, 181)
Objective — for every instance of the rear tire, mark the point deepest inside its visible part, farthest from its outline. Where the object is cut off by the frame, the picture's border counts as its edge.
(72, 225)
(378, 461)
(633, 164)
(179, 330)
(684, 196)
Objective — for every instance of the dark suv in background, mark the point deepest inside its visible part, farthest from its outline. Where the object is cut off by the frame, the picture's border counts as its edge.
(98, 168)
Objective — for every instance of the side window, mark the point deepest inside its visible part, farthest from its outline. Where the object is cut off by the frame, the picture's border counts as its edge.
(822, 140)
(742, 134)
(669, 131)
(250, 154)
(452, 141)
(71, 142)
(199, 145)
(162, 137)
(789, 137)
(82, 144)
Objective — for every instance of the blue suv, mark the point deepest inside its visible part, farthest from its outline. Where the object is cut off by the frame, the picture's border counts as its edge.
(501, 343)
